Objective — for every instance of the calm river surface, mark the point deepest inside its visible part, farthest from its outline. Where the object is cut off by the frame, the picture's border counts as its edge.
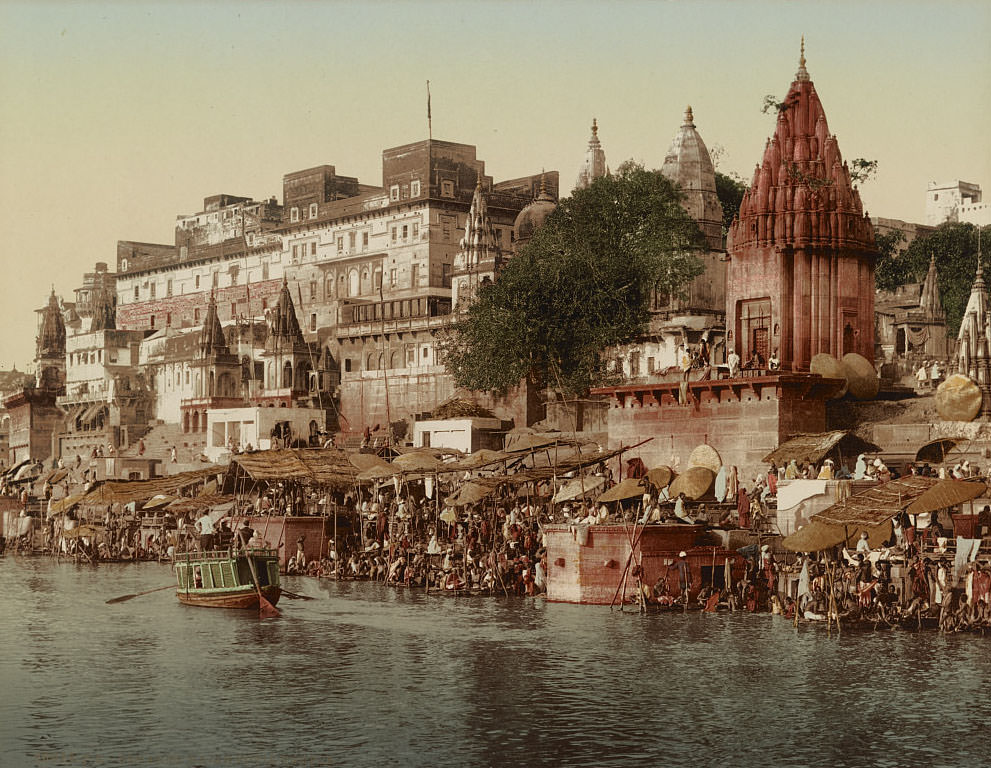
(370, 676)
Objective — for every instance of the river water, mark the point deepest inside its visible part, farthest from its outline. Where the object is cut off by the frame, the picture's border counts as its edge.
(366, 675)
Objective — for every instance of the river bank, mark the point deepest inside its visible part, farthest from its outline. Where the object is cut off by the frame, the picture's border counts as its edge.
(367, 675)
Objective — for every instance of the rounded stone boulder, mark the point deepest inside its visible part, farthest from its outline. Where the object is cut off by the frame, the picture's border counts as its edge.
(829, 367)
(958, 399)
(862, 380)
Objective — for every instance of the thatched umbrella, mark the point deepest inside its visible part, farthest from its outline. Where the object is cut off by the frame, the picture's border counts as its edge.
(695, 483)
(630, 488)
(705, 456)
(660, 477)
(829, 367)
(862, 380)
(958, 399)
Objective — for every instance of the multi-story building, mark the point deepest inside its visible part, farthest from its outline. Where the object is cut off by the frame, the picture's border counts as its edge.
(956, 201)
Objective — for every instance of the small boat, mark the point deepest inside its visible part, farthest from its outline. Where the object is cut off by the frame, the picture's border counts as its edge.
(225, 579)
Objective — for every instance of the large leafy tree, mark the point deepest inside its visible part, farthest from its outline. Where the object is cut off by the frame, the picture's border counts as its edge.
(954, 245)
(582, 284)
(730, 191)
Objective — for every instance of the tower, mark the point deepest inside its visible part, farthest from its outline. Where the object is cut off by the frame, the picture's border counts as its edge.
(49, 355)
(801, 276)
(478, 256)
(689, 165)
(219, 372)
(595, 161)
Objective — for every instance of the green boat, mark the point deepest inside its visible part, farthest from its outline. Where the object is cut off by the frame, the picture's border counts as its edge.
(224, 579)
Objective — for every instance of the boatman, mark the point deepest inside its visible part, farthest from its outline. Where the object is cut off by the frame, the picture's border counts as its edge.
(205, 526)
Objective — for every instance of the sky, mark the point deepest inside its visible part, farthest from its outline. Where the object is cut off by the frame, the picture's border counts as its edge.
(119, 116)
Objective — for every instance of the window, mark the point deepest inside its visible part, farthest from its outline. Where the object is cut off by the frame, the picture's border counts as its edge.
(215, 279)
(196, 316)
(313, 321)
(445, 223)
(168, 319)
(151, 321)
(405, 231)
(187, 377)
(394, 232)
(197, 281)
(414, 188)
(313, 210)
(393, 279)
(168, 288)
(264, 273)
(340, 244)
(394, 192)
(233, 309)
(313, 290)
(377, 279)
(364, 241)
(446, 275)
(351, 237)
(151, 290)
(411, 356)
(295, 253)
(447, 189)
(123, 265)
(294, 214)
(313, 248)
(426, 352)
(347, 365)
(416, 229)
(414, 275)
(137, 293)
(233, 273)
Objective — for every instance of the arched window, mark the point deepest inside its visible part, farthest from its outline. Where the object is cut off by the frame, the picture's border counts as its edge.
(287, 375)
(396, 360)
(185, 421)
(196, 421)
(353, 282)
(370, 366)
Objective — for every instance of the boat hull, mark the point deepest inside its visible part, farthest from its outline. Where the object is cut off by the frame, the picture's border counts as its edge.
(234, 598)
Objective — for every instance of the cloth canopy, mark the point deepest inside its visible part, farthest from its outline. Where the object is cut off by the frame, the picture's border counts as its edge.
(935, 450)
(817, 536)
(312, 466)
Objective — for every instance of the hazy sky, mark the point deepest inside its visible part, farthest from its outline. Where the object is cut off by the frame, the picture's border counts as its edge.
(118, 116)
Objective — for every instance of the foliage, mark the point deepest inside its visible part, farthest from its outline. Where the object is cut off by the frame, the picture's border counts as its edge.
(730, 190)
(954, 245)
(581, 285)
(889, 268)
(862, 170)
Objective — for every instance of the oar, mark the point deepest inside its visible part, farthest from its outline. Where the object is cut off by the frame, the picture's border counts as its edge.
(265, 609)
(294, 596)
(122, 598)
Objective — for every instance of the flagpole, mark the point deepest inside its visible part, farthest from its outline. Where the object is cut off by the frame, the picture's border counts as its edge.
(430, 129)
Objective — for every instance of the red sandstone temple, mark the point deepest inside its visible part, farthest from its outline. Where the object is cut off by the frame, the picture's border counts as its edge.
(801, 272)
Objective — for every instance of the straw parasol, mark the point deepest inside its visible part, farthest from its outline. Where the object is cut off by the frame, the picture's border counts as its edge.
(958, 399)
(705, 456)
(630, 488)
(695, 482)
(660, 477)
(578, 487)
(862, 380)
(947, 493)
(416, 461)
(829, 367)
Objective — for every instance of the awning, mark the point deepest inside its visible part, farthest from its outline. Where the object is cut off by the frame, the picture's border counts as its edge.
(947, 493)
(416, 462)
(159, 500)
(469, 493)
(325, 467)
(815, 447)
(578, 487)
(878, 504)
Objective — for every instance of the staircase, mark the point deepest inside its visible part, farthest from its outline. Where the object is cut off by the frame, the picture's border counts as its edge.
(160, 439)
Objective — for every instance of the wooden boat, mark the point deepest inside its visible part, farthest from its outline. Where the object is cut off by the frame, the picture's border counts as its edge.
(225, 579)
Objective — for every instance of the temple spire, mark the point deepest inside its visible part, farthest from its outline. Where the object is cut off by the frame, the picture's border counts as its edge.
(595, 160)
(213, 342)
(802, 74)
(930, 301)
(478, 243)
(689, 117)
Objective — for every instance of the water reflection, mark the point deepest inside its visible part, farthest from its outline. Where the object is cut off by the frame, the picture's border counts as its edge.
(365, 675)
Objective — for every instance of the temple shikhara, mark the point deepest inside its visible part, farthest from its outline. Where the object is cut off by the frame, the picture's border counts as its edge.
(800, 277)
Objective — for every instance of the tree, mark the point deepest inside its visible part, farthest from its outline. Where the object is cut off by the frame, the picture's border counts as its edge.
(730, 191)
(954, 244)
(889, 268)
(582, 284)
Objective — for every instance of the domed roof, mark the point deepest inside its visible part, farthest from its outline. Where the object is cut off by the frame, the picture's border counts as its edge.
(689, 165)
(533, 216)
